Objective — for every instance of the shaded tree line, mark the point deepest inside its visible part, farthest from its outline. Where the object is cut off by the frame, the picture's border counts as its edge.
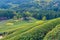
(48, 14)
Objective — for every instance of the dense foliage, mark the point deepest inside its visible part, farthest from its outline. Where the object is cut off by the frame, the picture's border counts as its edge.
(30, 19)
(54, 34)
(35, 33)
(27, 15)
(30, 8)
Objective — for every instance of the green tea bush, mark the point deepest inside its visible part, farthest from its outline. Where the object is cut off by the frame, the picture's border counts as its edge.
(10, 25)
(38, 32)
(54, 34)
(23, 29)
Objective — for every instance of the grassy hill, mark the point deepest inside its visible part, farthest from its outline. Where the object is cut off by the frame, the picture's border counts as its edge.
(23, 30)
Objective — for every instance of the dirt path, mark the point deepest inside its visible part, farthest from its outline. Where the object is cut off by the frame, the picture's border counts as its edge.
(1, 37)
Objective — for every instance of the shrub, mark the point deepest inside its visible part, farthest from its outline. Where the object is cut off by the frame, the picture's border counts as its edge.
(39, 22)
(38, 32)
(54, 34)
(22, 29)
(9, 24)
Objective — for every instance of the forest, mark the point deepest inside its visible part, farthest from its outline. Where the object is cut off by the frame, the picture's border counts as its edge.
(32, 8)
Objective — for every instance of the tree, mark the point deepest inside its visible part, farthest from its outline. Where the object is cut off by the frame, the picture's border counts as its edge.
(27, 15)
(17, 15)
(44, 18)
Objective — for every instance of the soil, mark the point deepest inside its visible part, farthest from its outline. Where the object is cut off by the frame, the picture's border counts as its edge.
(1, 37)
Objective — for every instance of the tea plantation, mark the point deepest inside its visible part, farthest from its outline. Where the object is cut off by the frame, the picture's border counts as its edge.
(25, 30)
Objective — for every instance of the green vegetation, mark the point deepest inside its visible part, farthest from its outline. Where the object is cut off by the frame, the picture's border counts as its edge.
(48, 14)
(29, 20)
(54, 34)
(11, 24)
(36, 30)
(44, 18)
(24, 28)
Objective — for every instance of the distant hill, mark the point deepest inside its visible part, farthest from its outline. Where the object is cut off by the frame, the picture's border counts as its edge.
(26, 4)
(35, 8)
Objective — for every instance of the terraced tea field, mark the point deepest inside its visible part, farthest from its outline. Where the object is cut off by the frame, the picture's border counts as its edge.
(36, 30)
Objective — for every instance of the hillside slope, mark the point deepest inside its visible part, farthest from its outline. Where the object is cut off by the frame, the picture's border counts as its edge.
(54, 34)
(35, 33)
